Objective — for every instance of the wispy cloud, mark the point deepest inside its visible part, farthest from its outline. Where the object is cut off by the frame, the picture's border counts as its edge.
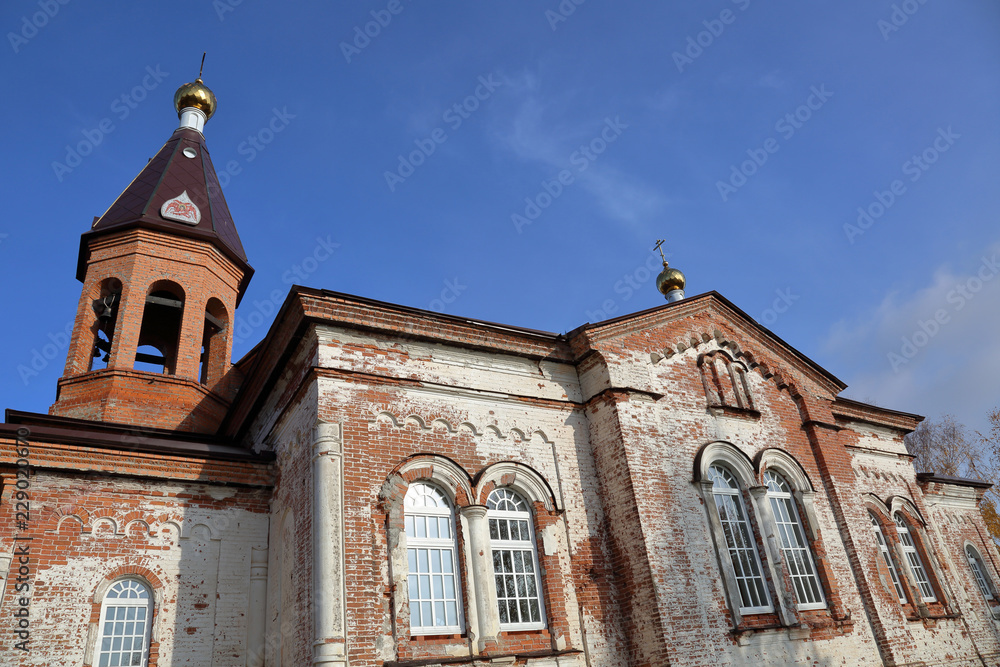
(934, 350)
(544, 129)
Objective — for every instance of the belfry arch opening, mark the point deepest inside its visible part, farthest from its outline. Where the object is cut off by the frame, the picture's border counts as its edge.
(159, 336)
(214, 342)
(105, 307)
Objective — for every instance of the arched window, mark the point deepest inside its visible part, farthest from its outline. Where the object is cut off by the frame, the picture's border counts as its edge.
(515, 561)
(794, 548)
(913, 559)
(433, 573)
(884, 548)
(125, 622)
(740, 543)
(979, 573)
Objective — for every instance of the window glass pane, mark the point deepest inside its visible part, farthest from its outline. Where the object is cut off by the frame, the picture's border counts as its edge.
(739, 541)
(914, 560)
(123, 631)
(432, 581)
(794, 548)
(414, 612)
(514, 559)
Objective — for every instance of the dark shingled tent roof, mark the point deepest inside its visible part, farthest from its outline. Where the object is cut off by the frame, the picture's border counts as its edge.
(169, 174)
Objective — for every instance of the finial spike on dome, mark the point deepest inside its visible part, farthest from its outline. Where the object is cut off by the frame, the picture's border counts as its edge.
(201, 69)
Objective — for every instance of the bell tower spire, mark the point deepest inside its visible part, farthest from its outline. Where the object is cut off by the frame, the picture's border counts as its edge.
(163, 270)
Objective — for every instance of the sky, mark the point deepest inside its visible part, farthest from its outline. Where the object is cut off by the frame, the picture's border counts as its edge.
(830, 167)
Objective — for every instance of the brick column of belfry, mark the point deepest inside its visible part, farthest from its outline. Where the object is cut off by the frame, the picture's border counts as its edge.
(482, 575)
(330, 643)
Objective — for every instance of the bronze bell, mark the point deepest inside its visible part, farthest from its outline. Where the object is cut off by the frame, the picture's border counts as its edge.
(104, 307)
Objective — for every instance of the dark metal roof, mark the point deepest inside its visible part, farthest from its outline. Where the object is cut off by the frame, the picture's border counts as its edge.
(105, 435)
(166, 176)
(948, 479)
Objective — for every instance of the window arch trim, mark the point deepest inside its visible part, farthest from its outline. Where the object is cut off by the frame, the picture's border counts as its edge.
(785, 465)
(440, 471)
(907, 507)
(524, 480)
(738, 463)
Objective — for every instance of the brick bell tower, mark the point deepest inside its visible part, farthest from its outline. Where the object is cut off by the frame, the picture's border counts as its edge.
(163, 271)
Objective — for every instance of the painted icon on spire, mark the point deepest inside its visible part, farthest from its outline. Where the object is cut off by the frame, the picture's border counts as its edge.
(181, 209)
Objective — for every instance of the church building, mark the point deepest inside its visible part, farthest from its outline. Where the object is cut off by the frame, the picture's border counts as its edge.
(378, 485)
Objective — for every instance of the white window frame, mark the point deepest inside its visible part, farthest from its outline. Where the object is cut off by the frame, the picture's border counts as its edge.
(742, 522)
(979, 573)
(441, 545)
(107, 604)
(509, 545)
(916, 564)
(793, 543)
(887, 556)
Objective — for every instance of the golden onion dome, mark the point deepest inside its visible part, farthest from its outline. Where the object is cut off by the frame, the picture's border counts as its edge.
(196, 95)
(670, 279)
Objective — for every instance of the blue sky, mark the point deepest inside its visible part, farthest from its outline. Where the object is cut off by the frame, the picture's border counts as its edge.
(748, 134)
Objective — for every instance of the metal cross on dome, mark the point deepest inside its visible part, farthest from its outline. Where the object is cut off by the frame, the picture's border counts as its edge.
(659, 243)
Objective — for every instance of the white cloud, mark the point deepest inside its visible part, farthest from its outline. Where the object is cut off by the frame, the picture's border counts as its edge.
(933, 351)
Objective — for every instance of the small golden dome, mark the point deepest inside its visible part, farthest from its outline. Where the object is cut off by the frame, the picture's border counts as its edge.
(669, 280)
(196, 95)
